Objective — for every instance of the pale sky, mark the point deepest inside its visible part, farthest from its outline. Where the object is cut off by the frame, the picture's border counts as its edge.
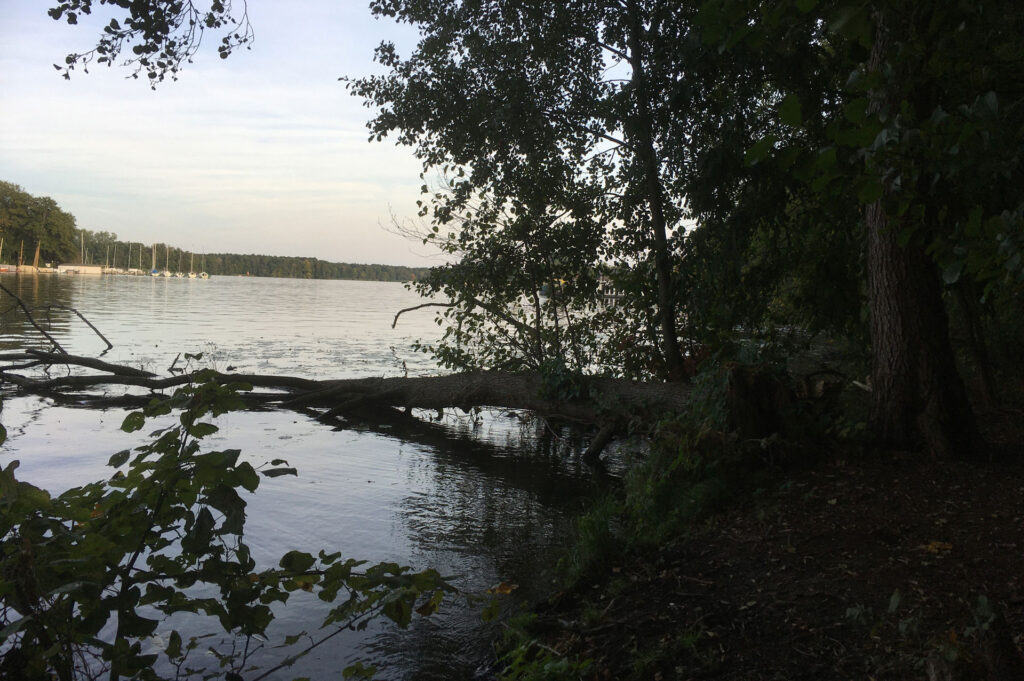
(265, 152)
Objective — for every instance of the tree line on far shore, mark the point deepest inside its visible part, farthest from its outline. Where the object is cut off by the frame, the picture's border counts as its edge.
(28, 221)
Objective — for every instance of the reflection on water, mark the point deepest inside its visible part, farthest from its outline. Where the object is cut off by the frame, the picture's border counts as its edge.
(487, 506)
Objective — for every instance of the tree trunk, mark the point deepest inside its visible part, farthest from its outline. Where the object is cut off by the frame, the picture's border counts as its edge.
(918, 396)
(643, 140)
(599, 397)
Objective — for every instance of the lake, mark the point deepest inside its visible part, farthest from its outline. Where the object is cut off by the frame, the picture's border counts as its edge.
(488, 503)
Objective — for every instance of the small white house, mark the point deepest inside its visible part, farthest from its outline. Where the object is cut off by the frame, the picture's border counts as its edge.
(77, 268)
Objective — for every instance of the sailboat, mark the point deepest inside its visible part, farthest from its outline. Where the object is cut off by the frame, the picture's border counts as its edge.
(192, 267)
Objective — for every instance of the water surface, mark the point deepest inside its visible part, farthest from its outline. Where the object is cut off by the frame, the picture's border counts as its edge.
(483, 503)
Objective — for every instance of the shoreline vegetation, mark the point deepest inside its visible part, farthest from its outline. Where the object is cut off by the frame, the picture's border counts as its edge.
(37, 225)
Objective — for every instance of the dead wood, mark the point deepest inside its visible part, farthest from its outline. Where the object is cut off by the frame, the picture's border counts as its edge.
(51, 358)
(31, 319)
(80, 316)
(608, 400)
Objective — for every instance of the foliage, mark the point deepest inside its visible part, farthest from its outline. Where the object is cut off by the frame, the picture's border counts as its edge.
(162, 34)
(229, 264)
(713, 162)
(28, 221)
(89, 576)
(527, 659)
(532, 662)
(553, 169)
(693, 465)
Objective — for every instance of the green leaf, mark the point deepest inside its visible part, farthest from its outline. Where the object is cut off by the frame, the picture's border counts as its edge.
(247, 477)
(894, 601)
(201, 430)
(133, 422)
(173, 649)
(117, 460)
(490, 613)
(856, 110)
(358, 671)
(990, 102)
(14, 627)
(398, 611)
(293, 638)
(790, 111)
(951, 273)
(277, 472)
(297, 561)
(759, 151)
(869, 190)
(136, 626)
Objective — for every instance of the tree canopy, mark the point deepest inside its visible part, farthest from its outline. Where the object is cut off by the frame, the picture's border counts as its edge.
(28, 221)
(729, 168)
(730, 162)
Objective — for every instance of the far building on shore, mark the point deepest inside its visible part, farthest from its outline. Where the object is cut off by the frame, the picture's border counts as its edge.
(79, 268)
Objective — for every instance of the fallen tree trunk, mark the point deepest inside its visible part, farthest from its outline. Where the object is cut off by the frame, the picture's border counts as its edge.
(496, 389)
(462, 390)
(607, 400)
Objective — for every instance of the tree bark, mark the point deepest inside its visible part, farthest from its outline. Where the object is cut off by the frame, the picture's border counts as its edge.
(918, 396)
(465, 390)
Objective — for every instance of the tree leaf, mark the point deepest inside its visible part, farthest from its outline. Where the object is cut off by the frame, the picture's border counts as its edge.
(297, 561)
(790, 111)
(760, 150)
(276, 472)
(173, 649)
(951, 273)
(133, 422)
(117, 460)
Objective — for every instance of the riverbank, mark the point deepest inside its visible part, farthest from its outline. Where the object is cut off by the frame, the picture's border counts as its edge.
(860, 566)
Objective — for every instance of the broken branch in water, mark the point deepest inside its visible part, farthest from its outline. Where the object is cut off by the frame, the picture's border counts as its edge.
(83, 318)
(31, 319)
(28, 313)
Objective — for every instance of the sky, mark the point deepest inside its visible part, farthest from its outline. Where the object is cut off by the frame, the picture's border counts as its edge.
(265, 152)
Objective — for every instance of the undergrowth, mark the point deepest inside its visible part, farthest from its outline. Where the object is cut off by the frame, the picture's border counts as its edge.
(695, 464)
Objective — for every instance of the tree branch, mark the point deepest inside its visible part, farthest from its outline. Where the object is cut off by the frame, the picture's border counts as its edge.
(418, 307)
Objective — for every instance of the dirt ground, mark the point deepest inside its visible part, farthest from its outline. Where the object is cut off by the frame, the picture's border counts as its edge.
(863, 567)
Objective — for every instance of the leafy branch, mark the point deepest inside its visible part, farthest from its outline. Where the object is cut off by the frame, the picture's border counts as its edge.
(155, 539)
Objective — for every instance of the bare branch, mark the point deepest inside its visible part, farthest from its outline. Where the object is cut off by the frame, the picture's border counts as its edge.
(31, 319)
(417, 307)
(80, 316)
